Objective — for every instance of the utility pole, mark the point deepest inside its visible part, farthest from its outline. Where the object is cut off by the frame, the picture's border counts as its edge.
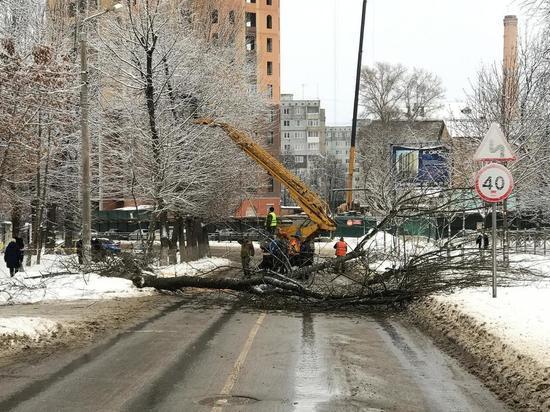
(85, 150)
(85, 137)
(351, 165)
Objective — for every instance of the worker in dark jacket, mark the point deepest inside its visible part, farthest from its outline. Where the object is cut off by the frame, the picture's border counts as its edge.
(13, 256)
(271, 221)
(247, 251)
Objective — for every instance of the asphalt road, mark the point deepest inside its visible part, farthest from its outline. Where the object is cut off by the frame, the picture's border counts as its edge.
(192, 357)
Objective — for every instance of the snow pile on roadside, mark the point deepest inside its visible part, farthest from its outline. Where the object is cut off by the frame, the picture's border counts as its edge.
(519, 316)
(46, 282)
(197, 268)
(20, 290)
(504, 340)
(30, 327)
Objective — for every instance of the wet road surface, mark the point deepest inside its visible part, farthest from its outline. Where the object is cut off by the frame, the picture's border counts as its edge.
(216, 358)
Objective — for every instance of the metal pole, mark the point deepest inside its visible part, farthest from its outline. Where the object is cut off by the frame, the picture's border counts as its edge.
(494, 250)
(351, 165)
(85, 150)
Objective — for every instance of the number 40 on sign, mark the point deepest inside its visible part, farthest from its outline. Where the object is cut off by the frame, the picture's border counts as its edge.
(494, 183)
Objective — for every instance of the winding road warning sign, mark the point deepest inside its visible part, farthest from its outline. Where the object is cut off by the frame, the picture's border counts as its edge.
(494, 146)
(494, 183)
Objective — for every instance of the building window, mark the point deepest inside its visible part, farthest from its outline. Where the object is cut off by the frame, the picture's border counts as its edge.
(250, 19)
(270, 90)
(286, 135)
(313, 133)
(269, 68)
(214, 16)
(287, 147)
(313, 109)
(286, 123)
(269, 2)
(250, 43)
(269, 21)
(269, 45)
(270, 185)
(232, 17)
(299, 159)
(270, 138)
(286, 111)
(251, 1)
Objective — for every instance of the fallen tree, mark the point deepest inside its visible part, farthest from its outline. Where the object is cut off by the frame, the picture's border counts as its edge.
(375, 276)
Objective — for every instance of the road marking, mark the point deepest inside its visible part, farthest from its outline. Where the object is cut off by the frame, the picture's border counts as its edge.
(234, 375)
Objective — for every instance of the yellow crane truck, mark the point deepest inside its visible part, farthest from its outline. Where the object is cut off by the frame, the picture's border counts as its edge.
(311, 203)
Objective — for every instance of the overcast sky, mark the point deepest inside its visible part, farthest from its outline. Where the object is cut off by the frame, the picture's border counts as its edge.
(452, 38)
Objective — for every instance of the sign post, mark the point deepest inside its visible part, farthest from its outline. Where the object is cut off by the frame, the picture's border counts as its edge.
(494, 182)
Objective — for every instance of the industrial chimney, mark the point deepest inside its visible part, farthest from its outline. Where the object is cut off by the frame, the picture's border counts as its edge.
(510, 69)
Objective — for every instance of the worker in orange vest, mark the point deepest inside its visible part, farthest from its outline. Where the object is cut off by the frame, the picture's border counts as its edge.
(294, 246)
(341, 250)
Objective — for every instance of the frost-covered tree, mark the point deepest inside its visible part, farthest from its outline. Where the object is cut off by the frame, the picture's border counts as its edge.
(168, 74)
(393, 92)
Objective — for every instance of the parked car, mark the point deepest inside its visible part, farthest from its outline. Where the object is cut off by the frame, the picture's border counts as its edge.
(254, 234)
(135, 235)
(115, 234)
(138, 234)
(222, 235)
(105, 245)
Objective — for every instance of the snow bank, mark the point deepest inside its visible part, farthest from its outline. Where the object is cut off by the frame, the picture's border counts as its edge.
(30, 327)
(42, 283)
(196, 268)
(20, 290)
(505, 340)
(519, 316)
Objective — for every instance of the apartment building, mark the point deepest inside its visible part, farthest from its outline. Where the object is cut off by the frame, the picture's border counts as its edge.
(259, 41)
(302, 133)
(338, 143)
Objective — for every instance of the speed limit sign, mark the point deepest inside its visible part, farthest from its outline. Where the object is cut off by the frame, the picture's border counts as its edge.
(494, 183)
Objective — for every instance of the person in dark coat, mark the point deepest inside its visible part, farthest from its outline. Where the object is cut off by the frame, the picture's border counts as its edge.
(479, 241)
(13, 256)
(485, 241)
(21, 245)
(79, 251)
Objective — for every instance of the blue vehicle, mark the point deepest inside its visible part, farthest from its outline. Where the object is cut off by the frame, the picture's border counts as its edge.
(105, 246)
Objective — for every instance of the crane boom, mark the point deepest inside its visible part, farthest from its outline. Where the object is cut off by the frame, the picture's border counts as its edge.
(310, 202)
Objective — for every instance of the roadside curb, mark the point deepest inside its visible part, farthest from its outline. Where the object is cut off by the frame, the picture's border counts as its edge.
(517, 379)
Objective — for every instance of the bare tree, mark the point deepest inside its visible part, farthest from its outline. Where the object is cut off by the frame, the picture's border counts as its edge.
(178, 74)
(393, 92)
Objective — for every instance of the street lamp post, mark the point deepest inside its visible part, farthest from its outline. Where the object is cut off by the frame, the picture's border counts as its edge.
(85, 137)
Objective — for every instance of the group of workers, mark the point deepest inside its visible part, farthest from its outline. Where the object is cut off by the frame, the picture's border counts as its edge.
(280, 254)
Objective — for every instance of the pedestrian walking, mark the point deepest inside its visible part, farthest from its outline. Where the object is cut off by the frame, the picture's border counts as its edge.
(13, 256)
(341, 249)
(271, 221)
(247, 251)
(485, 241)
(479, 241)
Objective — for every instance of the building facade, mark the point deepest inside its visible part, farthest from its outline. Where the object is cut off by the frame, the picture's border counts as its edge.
(302, 133)
(254, 28)
(262, 42)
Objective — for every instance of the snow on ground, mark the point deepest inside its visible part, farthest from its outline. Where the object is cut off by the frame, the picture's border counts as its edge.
(32, 286)
(31, 327)
(519, 316)
(196, 268)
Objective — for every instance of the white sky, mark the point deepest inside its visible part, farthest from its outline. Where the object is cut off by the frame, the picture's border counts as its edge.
(452, 38)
